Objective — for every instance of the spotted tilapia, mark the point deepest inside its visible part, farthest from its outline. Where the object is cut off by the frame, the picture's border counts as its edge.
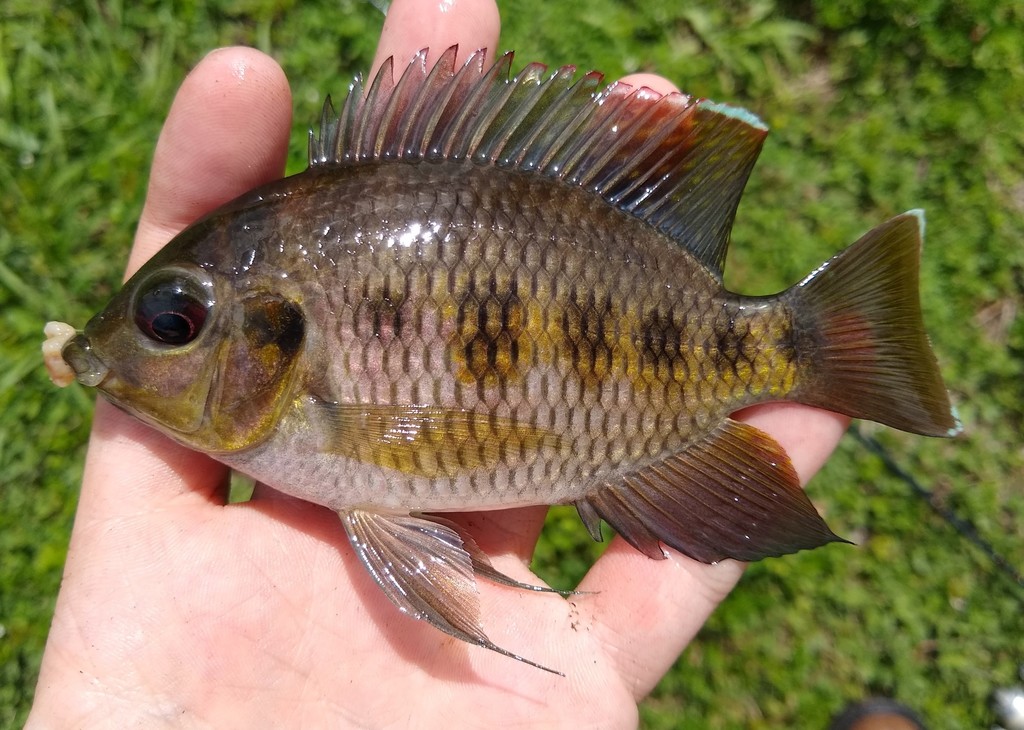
(487, 292)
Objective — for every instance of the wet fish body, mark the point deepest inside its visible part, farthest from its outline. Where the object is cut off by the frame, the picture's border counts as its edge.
(488, 293)
(443, 301)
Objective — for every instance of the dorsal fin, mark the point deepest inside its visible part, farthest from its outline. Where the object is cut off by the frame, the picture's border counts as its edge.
(676, 162)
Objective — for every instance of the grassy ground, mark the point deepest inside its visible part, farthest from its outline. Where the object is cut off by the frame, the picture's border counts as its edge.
(876, 107)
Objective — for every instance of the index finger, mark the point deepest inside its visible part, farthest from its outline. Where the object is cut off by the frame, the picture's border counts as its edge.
(412, 25)
(227, 132)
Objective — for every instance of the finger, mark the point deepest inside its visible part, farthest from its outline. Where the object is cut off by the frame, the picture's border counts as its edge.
(263, 494)
(412, 25)
(227, 131)
(287, 509)
(808, 435)
(508, 532)
(646, 611)
(650, 81)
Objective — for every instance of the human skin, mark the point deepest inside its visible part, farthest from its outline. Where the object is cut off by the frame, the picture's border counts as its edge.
(179, 610)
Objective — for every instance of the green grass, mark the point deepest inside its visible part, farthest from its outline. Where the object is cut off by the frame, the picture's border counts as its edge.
(876, 107)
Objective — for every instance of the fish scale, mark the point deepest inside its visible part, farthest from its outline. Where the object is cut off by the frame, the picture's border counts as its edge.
(488, 292)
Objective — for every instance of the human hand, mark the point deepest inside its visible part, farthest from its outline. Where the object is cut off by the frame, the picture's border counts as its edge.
(177, 609)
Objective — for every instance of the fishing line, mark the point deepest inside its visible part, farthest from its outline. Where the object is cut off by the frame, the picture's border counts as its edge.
(965, 527)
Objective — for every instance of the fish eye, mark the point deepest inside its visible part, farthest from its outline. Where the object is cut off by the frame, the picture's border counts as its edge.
(168, 311)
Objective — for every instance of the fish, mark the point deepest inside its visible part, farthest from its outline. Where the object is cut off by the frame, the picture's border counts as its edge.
(491, 290)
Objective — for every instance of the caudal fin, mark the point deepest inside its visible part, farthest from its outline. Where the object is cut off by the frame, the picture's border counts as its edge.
(863, 349)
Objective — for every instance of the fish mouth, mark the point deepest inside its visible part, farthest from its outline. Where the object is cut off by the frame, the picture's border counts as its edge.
(89, 369)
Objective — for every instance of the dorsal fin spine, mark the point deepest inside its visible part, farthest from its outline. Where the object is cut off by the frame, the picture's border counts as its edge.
(368, 124)
(550, 162)
(427, 107)
(530, 121)
(503, 103)
(523, 94)
(451, 100)
(328, 126)
(473, 110)
(343, 139)
(388, 137)
(579, 148)
(545, 120)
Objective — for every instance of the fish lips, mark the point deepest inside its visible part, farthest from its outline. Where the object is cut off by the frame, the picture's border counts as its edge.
(79, 355)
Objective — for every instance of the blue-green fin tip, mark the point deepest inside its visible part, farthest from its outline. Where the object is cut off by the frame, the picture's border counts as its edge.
(735, 112)
(919, 214)
(958, 426)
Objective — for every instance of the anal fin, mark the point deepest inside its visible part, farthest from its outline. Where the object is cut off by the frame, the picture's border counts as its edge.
(425, 570)
(734, 494)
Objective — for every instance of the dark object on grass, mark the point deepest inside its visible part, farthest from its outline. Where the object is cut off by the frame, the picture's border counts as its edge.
(877, 713)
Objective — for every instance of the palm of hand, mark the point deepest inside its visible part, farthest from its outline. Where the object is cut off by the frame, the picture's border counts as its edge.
(207, 612)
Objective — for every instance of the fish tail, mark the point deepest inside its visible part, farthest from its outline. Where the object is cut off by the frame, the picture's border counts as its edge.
(861, 341)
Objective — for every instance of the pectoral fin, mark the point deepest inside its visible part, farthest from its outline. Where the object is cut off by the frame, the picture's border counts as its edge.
(425, 570)
(733, 495)
(430, 441)
(482, 564)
